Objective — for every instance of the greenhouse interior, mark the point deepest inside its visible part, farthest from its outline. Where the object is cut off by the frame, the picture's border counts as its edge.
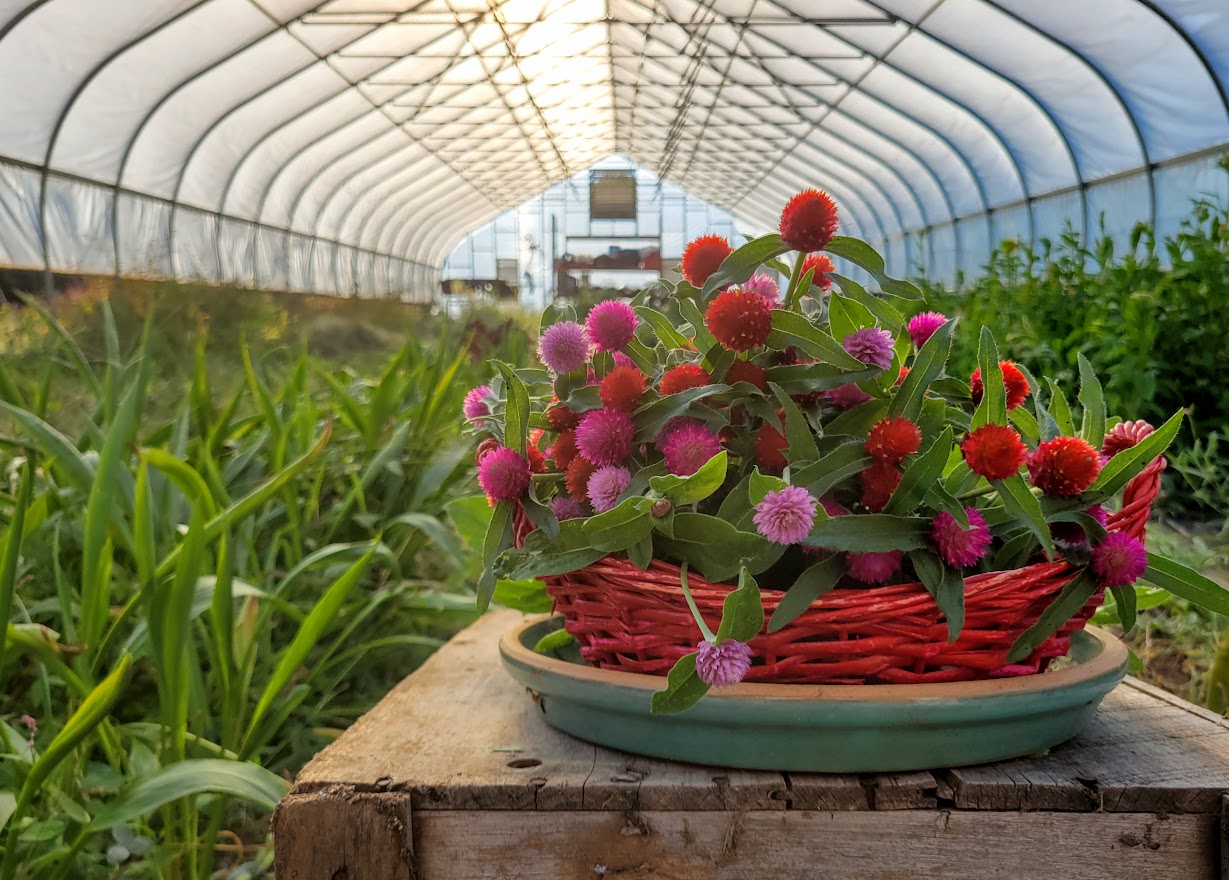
(663, 328)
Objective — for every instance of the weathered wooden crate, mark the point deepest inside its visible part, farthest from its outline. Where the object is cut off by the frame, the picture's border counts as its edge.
(455, 776)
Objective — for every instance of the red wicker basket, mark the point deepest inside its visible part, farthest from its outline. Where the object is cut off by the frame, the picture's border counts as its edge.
(638, 621)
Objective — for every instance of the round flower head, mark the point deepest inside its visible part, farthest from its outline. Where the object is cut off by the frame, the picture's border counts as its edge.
(764, 286)
(1119, 560)
(622, 388)
(504, 474)
(821, 270)
(703, 257)
(577, 477)
(563, 450)
(605, 436)
(561, 418)
(689, 448)
(1124, 435)
(873, 568)
(672, 424)
(923, 326)
(1013, 382)
(892, 439)
(537, 460)
(993, 451)
(786, 516)
(622, 360)
(770, 446)
(878, 481)
(723, 664)
(809, 221)
(565, 507)
(741, 320)
(959, 546)
(611, 325)
(846, 396)
(475, 405)
(564, 347)
(1064, 466)
(871, 345)
(832, 507)
(605, 486)
(684, 376)
(746, 371)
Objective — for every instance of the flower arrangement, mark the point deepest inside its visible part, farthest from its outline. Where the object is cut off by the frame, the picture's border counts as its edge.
(808, 436)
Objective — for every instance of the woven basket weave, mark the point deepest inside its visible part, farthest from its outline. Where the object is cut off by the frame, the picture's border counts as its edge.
(638, 621)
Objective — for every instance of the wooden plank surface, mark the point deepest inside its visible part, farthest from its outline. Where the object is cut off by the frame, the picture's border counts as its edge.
(459, 734)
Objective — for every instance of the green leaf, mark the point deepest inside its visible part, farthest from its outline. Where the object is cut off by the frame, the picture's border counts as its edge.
(1092, 399)
(641, 554)
(1047, 427)
(885, 315)
(759, 485)
(741, 265)
(1186, 583)
(927, 366)
(516, 411)
(619, 528)
(797, 431)
(1126, 465)
(54, 445)
(791, 328)
(921, 475)
(683, 688)
(870, 533)
(1124, 601)
(1026, 509)
(529, 596)
(651, 417)
(1062, 609)
(816, 580)
(847, 460)
(498, 539)
(993, 407)
(946, 585)
(804, 378)
(713, 546)
(702, 339)
(541, 557)
(742, 613)
(862, 254)
(700, 485)
(662, 328)
(552, 642)
(10, 553)
(1060, 409)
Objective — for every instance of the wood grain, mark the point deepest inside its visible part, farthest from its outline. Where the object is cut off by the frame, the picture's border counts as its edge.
(343, 835)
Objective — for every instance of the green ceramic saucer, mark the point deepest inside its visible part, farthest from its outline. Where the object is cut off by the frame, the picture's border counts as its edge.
(826, 728)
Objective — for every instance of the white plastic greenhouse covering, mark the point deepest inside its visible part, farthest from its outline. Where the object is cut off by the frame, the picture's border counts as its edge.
(346, 146)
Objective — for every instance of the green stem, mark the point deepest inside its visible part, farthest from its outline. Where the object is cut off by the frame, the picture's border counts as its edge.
(691, 603)
(791, 293)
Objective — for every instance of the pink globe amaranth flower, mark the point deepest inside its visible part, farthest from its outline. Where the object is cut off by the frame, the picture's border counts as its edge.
(923, 326)
(871, 345)
(567, 508)
(1100, 514)
(764, 286)
(1119, 560)
(724, 663)
(475, 405)
(689, 447)
(611, 325)
(786, 515)
(606, 485)
(873, 568)
(959, 546)
(846, 396)
(672, 425)
(622, 360)
(564, 347)
(504, 474)
(604, 436)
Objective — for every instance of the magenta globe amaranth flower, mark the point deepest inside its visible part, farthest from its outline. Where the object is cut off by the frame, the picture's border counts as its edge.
(785, 516)
(689, 447)
(564, 347)
(724, 663)
(606, 485)
(611, 325)
(475, 405)
(566, 507)
(763, 285)
(871, 345)
(846, 396)
(873, 568)
(504, 474)
(604, 436)
(959, 546)
(923, 326)
(1119, 560)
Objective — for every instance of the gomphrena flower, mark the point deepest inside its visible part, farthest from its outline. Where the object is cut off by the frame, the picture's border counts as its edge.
(703, 257)
(747, 371)
(1124, 435)
(994, 452)
(821, 270)
(923, 326)
(961, 547)
(724, 663)
(873, 568)
(504, 474)
(561, 418)
(785, 516)
(878, 481)
(576, 478)
(537, 460)
(1064, 466)
(689, 447)
(901, 376)
(605, 486)
(1073, 533)
(1013, 382)
(622, 388)
(1119, 560)
(763, 285)
(846, 396)
(566, 507)
(475, 405)
(564, 347)
(871, 345)
(605, 436)
(563, 450)
(672, 424)
(770, 446)
(809, 221)
(684, 376)
(740, 319)
(611, 325)
(892, 439)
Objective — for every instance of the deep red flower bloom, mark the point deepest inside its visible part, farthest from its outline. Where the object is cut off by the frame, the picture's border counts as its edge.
(703, 257)
(563, 450)
(622, 388)
(561, 418)
(746, 371)
(809, 221)
(1064, 466)
(892, 439)
(537, 460)
(1013, 381)
(684, 376)
(741, 320)
(770, 446)
(900, 377)
(1124, 435)
(993, 451)
(878, 481)
(577, 477)
(822, 268)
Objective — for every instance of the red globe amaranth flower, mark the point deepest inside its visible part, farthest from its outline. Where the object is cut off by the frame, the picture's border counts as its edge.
(994, 452)
(892, 439)
(741, 320)
(1064, 466)
(1013, 381)
(561, 418)
(622, 388)
(1125, 435)
(537, 460)
(821, 268)
(577, 477)
(563, 450)
(703, 257)
(900, 377)
(684, 376)
(788, 357)
(878, 481)
(746, 371)
(809, 221)
(770, 446)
